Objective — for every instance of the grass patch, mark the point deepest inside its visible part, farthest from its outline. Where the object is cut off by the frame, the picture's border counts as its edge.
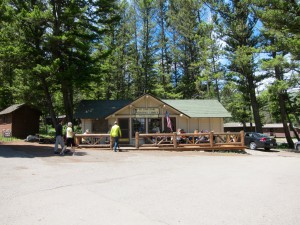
(8, 139)
(283, 146)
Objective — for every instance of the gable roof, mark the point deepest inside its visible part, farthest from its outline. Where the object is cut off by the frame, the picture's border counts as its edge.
(92, 109)
(194, 108)
(199, 107)
(11, 109)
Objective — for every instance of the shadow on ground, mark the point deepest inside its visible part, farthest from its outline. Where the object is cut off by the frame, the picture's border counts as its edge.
(263, 150)
(30, 151)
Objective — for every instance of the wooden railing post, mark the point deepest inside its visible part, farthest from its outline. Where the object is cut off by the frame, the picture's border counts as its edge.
(76, 140)
(137, 145)
(175, 139)
(227, 137)
(242, 138)
(211, 138)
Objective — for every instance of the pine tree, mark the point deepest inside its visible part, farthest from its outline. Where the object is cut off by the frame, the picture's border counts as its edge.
(276, 64)
(237, 24)
(184, 22)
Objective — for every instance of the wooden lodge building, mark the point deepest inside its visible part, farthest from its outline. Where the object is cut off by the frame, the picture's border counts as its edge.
(147, 114)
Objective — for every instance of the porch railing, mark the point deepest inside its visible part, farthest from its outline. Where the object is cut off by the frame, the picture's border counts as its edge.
(93, 140)
(210, 140)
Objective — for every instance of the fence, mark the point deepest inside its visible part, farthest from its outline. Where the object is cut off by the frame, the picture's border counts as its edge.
(211, 140)
(93, 140)
(186, 141)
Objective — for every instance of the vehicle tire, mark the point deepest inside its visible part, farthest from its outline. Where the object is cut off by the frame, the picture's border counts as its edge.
(298, 147)
(252, 146)
(267, 149)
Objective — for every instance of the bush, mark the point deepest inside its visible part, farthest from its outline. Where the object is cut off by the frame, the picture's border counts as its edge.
(283, 146)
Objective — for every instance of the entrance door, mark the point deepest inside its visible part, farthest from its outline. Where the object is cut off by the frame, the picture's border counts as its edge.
(124, 125)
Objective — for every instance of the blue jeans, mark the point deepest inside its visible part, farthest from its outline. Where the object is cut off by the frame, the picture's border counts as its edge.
(116, 143)
(59, 141)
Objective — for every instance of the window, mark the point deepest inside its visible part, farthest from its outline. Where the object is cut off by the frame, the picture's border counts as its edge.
(4, 119)
(138, 125)
(154, 125)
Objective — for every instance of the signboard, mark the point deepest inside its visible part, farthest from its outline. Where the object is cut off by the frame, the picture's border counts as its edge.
(6, 133)
(146, 112)
(146, 116)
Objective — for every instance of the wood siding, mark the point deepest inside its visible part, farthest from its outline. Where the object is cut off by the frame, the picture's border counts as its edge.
(23, 122)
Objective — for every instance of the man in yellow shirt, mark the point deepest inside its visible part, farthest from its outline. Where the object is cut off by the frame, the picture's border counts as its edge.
(115, 133)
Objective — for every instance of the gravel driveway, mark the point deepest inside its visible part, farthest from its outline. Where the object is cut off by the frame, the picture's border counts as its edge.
(100, 187)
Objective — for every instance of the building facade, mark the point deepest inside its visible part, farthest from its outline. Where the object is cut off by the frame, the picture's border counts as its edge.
(148, 114)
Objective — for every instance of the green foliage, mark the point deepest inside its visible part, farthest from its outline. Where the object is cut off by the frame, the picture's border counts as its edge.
(269, 102)
(282, 19)
(53, 54)
(235, 103)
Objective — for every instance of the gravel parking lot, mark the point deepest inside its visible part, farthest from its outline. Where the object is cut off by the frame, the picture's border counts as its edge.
(147, 187)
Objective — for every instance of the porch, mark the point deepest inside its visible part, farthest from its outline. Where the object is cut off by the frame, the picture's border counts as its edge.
(169, 141)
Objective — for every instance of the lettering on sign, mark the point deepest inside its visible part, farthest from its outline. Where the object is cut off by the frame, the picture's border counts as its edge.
(147, 112)
(145, 116)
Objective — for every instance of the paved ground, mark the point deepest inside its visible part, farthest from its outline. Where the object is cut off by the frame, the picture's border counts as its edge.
(141, 188)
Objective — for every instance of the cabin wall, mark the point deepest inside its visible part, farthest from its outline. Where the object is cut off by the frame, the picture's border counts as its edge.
(5, 122)
(148, 115)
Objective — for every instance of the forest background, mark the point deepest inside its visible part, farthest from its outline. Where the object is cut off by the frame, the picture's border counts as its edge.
(245, 53)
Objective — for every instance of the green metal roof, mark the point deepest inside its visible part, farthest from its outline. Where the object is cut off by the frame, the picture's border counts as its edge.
(93, 109)
(195, 108)
(199, 108)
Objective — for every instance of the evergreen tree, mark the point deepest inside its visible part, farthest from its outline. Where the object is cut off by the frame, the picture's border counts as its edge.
(164, 86)
(237, 24)
(277, 65)
(239, 111)
(185, 22)
(147, 44)
(56, 40)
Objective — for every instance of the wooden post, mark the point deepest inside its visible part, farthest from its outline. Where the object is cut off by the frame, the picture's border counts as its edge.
(228, 137)
(211, 138)
(76, 140)
(175, 139)
(242, 138)
(137, 145)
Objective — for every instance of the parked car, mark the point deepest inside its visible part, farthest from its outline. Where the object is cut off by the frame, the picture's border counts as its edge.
(255, 140)
(297, 146)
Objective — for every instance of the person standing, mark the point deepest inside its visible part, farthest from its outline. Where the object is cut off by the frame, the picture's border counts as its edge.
(115, 134)
(86, 140)
(58, 138)
(70, 138)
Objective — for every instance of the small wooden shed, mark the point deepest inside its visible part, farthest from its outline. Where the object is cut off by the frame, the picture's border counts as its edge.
(20, 120)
